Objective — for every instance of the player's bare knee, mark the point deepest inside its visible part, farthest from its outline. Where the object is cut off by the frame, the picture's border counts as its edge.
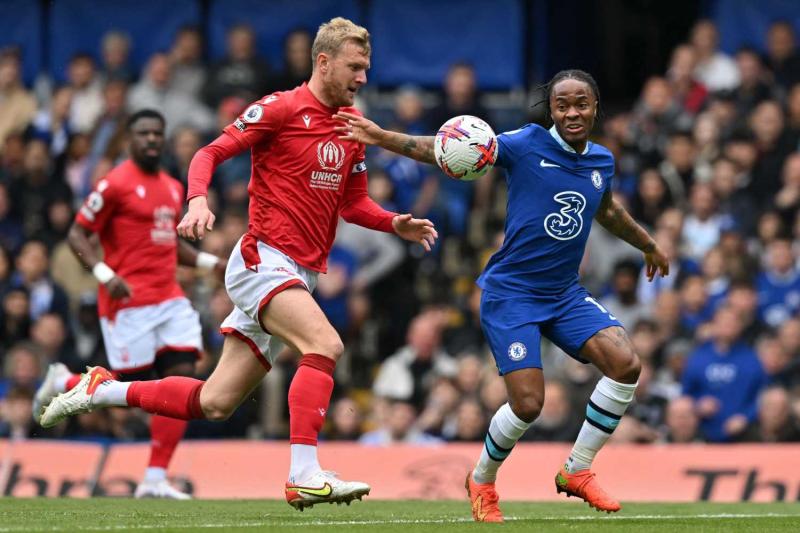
(527, 408)
(627, 369)
(330, 346)
(217, 411)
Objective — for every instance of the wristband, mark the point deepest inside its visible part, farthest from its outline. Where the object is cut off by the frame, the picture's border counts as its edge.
(103, 272)
(206, 261)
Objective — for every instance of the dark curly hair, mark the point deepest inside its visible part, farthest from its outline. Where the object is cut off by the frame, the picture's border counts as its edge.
(570, 74)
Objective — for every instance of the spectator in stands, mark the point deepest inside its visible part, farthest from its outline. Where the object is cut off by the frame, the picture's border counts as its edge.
(752, 89)
(779, 284)
(334, 286)
(706, 134)
(186, 61)
(471, 423)
(715, 275)
(377, 254)
(654, 117)
(32, 274)
(409, 372)
(155, 91)
(703, 225)
(16, 422)
(460, 97)
(15, 318)
(681, 421)
(409, 111)
(345, 421)
(32, 195)
(296, 61)
(399, 428)
(775, 422)
(787, 200)
(242, 72)
(689, 93)
(793, 111)
(108, 139)
(651, 199)
(695, 310)
(437, 416)
(733, 202)
(87, 93)
(774, 359)
(17, 105)
(49, 334)
(22, 367)
(185, 142)
(12, 156)
(773, 144)
(52, 125)
(783, 57)
(115, 49)
(743, 298)
(623, 301)
(724, 377)
(678, 168)
(11, 234)
(714, 69)
(557, 421)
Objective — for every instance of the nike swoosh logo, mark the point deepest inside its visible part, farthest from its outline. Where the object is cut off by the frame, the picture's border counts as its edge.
(323, 491)
(545, 164)
(96, 378)
(478, 508)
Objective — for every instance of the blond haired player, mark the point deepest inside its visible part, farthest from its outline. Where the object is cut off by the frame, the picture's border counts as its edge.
(303, 178)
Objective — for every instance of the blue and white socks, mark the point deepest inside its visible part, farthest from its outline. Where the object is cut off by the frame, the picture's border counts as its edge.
(504, 432)
(606, 406)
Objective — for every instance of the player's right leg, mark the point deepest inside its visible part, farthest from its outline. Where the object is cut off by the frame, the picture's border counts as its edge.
(514, 341)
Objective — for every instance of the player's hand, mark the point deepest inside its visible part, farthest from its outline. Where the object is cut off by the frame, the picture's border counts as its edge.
(735, 425)
(118, 288)
(656, 262)
(357, 128)
(419, 230)
(197, 220)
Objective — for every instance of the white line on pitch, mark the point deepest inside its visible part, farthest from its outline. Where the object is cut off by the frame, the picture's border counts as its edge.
(320, 522)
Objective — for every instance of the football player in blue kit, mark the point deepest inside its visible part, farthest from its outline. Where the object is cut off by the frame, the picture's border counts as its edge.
(558, 182)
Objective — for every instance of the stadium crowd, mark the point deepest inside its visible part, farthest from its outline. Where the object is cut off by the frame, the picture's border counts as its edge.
(708, 159)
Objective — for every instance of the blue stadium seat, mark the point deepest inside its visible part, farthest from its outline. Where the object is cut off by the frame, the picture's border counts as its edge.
(414, 41)
(79, 26)
(744, 22)
(272, 21)
(20, 25)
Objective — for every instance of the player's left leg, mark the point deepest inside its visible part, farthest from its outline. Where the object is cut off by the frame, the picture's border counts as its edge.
(592, 334)
(57, 380)
(165, 432)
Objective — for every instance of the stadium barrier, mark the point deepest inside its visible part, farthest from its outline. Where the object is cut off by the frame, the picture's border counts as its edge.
(257, 469)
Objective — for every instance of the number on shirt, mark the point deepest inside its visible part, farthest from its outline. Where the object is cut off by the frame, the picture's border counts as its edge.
(600, 307)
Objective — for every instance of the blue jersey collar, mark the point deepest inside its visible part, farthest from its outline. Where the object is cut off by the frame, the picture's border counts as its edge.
(563, 143)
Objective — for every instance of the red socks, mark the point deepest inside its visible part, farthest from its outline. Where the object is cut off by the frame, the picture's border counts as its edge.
(72, 381)
(309, 396)
(165, 434)
(174, 397)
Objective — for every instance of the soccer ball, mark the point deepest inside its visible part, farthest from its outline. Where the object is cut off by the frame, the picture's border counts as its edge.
(465, 147)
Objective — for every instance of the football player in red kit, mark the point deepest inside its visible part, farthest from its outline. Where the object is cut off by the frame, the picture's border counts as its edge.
(149, 327)
(303, 179)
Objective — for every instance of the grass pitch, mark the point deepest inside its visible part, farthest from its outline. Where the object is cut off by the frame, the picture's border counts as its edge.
(111, 514)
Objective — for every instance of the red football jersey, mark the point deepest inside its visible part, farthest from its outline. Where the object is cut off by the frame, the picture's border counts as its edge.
(135, 215)
(303, 176)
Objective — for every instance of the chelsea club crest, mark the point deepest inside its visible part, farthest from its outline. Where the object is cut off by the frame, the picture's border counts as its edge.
(597, 179)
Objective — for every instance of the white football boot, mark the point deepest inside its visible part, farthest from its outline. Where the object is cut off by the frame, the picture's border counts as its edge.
(47, 390)
(324, 487)
(159, 489)
(77, 400)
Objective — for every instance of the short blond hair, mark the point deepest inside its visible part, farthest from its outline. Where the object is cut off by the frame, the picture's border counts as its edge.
(332, 35)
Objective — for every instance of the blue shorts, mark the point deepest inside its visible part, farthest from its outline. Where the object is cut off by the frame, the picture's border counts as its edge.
(514, 326)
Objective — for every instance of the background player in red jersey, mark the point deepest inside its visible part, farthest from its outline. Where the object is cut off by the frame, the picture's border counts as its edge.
(149, 327)
(303, 178)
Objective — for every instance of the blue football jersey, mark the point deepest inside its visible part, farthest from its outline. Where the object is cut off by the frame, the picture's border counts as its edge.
(553, 195)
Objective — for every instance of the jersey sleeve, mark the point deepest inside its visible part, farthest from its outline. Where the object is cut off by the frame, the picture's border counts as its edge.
(510, 146)
(358, 207)
(99, 205)
(260, 121)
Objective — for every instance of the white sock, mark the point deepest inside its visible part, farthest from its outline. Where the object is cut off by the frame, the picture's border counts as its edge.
(155, 473)
(60, 382)
(111, 393)
(505, 430)
(606, 406)
(304, 462)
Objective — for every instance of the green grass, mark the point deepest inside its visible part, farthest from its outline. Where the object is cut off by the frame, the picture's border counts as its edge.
(108, 514)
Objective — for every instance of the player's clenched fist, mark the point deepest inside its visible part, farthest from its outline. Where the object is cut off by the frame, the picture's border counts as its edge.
(197, 220)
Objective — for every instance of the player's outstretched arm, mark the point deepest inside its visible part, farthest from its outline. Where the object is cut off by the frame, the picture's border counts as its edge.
(612, 216)
(79, 241)
(360, 129)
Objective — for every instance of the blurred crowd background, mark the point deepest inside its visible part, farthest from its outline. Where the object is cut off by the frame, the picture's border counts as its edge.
(708, 159)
